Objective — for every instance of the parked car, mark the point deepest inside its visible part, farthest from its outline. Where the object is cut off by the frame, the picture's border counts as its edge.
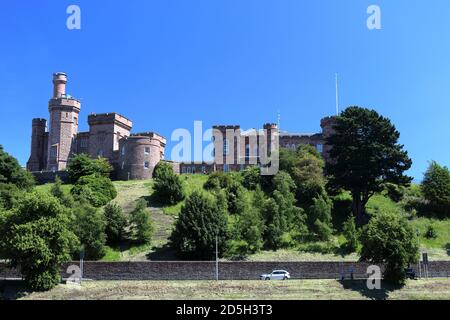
(276, 275)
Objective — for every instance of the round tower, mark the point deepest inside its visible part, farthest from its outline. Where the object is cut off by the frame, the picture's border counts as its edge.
(59, 84)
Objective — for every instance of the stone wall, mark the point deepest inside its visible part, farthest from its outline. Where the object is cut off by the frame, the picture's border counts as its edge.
(185, 270)
(44, 177)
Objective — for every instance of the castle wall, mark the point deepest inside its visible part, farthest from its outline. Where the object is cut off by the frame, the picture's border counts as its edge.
(37, 160)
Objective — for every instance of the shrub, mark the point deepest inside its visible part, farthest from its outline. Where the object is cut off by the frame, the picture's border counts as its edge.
(83, 165)
(9, 195)
(168, 188)
(97, 190)
(56, 190)
(431, 232)
(319, 218)
(199, 222)
(162, 169)
(218, 180)
(235, 194)
(351, 234)
(35, 239)
(388, 239)
(251, 177)
(436, 187)
(141, 223)
(89, 226)
(394, 192)
(116, 223)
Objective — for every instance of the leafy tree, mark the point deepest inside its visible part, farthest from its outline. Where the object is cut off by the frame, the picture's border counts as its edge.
(199, 222)
(365, 155)
(57, 191)
(89, 226)
(306, 167)
(319, 218)
(235, 198)
(251, 177)
(12, 172)
(83, 165)
(116, 223)
(351, 234)
(9, 195)
(162, 169)
(436, 187)
(394, 192)
(98, 190)
(220, 180)
(388, 239)
(168, 187)
(141, 223)
(36, 239)
(431, 232)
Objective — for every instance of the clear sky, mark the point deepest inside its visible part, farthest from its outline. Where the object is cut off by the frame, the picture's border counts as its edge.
(164, 64)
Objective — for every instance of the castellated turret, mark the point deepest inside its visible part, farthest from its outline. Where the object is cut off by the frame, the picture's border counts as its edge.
(39, 143)
(64, 111)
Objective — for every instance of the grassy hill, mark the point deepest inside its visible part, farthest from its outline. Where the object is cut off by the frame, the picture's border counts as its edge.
(164, 216)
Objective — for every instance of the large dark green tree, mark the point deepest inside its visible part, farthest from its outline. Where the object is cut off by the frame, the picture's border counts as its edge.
(436, 187)
(200, 221)
(36, 239)
(83, 165)
(365, 154)
(389, 240)
(11, 172)
(168, 188)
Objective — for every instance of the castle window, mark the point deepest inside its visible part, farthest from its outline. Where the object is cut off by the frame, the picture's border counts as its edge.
(75, 119)
(226, 147)
(226, 168)
(147, 150)
(123, 150)
(183, 170)
(247, 152)
(188, 170)
(53, 151)
(146, 165)
(203, 169)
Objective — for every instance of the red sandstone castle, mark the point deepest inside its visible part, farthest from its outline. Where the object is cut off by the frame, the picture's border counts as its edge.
(133, 156)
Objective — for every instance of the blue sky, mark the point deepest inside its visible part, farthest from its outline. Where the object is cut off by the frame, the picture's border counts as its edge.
(164, 64)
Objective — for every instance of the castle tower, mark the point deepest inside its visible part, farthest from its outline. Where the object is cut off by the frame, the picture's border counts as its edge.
(64, 111)
(37, 160)
(327, 125)
(271, 130)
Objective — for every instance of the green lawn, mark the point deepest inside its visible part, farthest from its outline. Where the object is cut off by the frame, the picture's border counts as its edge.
(264, 290)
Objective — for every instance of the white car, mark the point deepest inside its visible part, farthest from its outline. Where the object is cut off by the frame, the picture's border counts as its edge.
(276, 275)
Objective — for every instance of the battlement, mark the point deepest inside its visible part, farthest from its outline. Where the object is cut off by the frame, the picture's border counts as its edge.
(39, 122)
(109, 118)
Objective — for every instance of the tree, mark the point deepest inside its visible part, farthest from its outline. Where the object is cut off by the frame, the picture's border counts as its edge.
(89, 226)
(351, 234)
(365, 155)
(251, 177)
(168, 187)
(36, 239)
(235, 198)
(9, 195)
(141, 224)
(306, 167)
(436, 187)
(116, 223)
(218, 180)
(83, 165)
(319, 218)
(98, 190)
(162, 169)
(57, 191)
(199, 222)
(12, 172)
(388, 239)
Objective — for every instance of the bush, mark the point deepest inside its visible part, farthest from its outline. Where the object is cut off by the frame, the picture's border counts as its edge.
(35, 239)
(89, 226)
(141, 223)
(319, 218)
(12, 173)
(162, 169)
(83, 165)
(251, 177)
(9, 195)
(436, 187)
(431, 232)
(351, 235)
(56, 191)
(219, 180)
(235, 194)
(116, 223)
(394, 192)
(199, 222)
(97, 190)
(168, 188)
(388, 239)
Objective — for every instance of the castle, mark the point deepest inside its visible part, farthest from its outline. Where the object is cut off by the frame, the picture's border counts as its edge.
(133, 156)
